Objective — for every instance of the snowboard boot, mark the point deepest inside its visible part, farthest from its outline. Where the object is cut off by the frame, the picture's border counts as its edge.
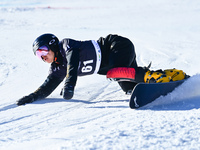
(156, 77)
(175, 74)
(167, 75)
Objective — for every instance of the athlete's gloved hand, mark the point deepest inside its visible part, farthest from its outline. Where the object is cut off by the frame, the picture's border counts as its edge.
(26, 99)
(68, 91)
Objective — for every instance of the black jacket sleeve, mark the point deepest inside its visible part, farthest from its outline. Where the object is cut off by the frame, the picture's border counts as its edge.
(72, 57)
(47, 87)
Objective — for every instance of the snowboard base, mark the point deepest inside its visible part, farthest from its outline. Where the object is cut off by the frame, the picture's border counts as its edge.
(145, 93)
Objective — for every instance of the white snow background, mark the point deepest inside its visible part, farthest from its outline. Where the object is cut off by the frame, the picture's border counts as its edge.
(98, 117)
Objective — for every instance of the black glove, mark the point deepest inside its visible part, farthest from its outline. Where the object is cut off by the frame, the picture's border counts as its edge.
(68, 92)
(25, 99)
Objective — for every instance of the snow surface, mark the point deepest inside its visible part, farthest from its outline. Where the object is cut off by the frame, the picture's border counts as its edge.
(98, 117)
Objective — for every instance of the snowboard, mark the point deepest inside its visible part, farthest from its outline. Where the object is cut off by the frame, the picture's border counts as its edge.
(145, 93)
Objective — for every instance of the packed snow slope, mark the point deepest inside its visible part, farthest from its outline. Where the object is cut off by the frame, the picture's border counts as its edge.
(98, 117)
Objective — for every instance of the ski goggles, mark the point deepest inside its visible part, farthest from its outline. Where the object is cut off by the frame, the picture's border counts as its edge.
(42, 51)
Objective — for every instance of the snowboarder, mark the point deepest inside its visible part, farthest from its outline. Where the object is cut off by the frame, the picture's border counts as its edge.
(71, 58)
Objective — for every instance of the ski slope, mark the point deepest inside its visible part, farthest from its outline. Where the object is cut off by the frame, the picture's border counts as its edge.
(98, 117)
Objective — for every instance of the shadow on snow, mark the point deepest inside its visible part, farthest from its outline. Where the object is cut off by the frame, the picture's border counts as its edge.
(161, 104)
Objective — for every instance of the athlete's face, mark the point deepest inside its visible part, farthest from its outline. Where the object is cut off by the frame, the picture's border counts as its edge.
(49, 58)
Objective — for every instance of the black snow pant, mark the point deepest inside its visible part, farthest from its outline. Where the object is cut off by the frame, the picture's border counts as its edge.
(117, 51)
